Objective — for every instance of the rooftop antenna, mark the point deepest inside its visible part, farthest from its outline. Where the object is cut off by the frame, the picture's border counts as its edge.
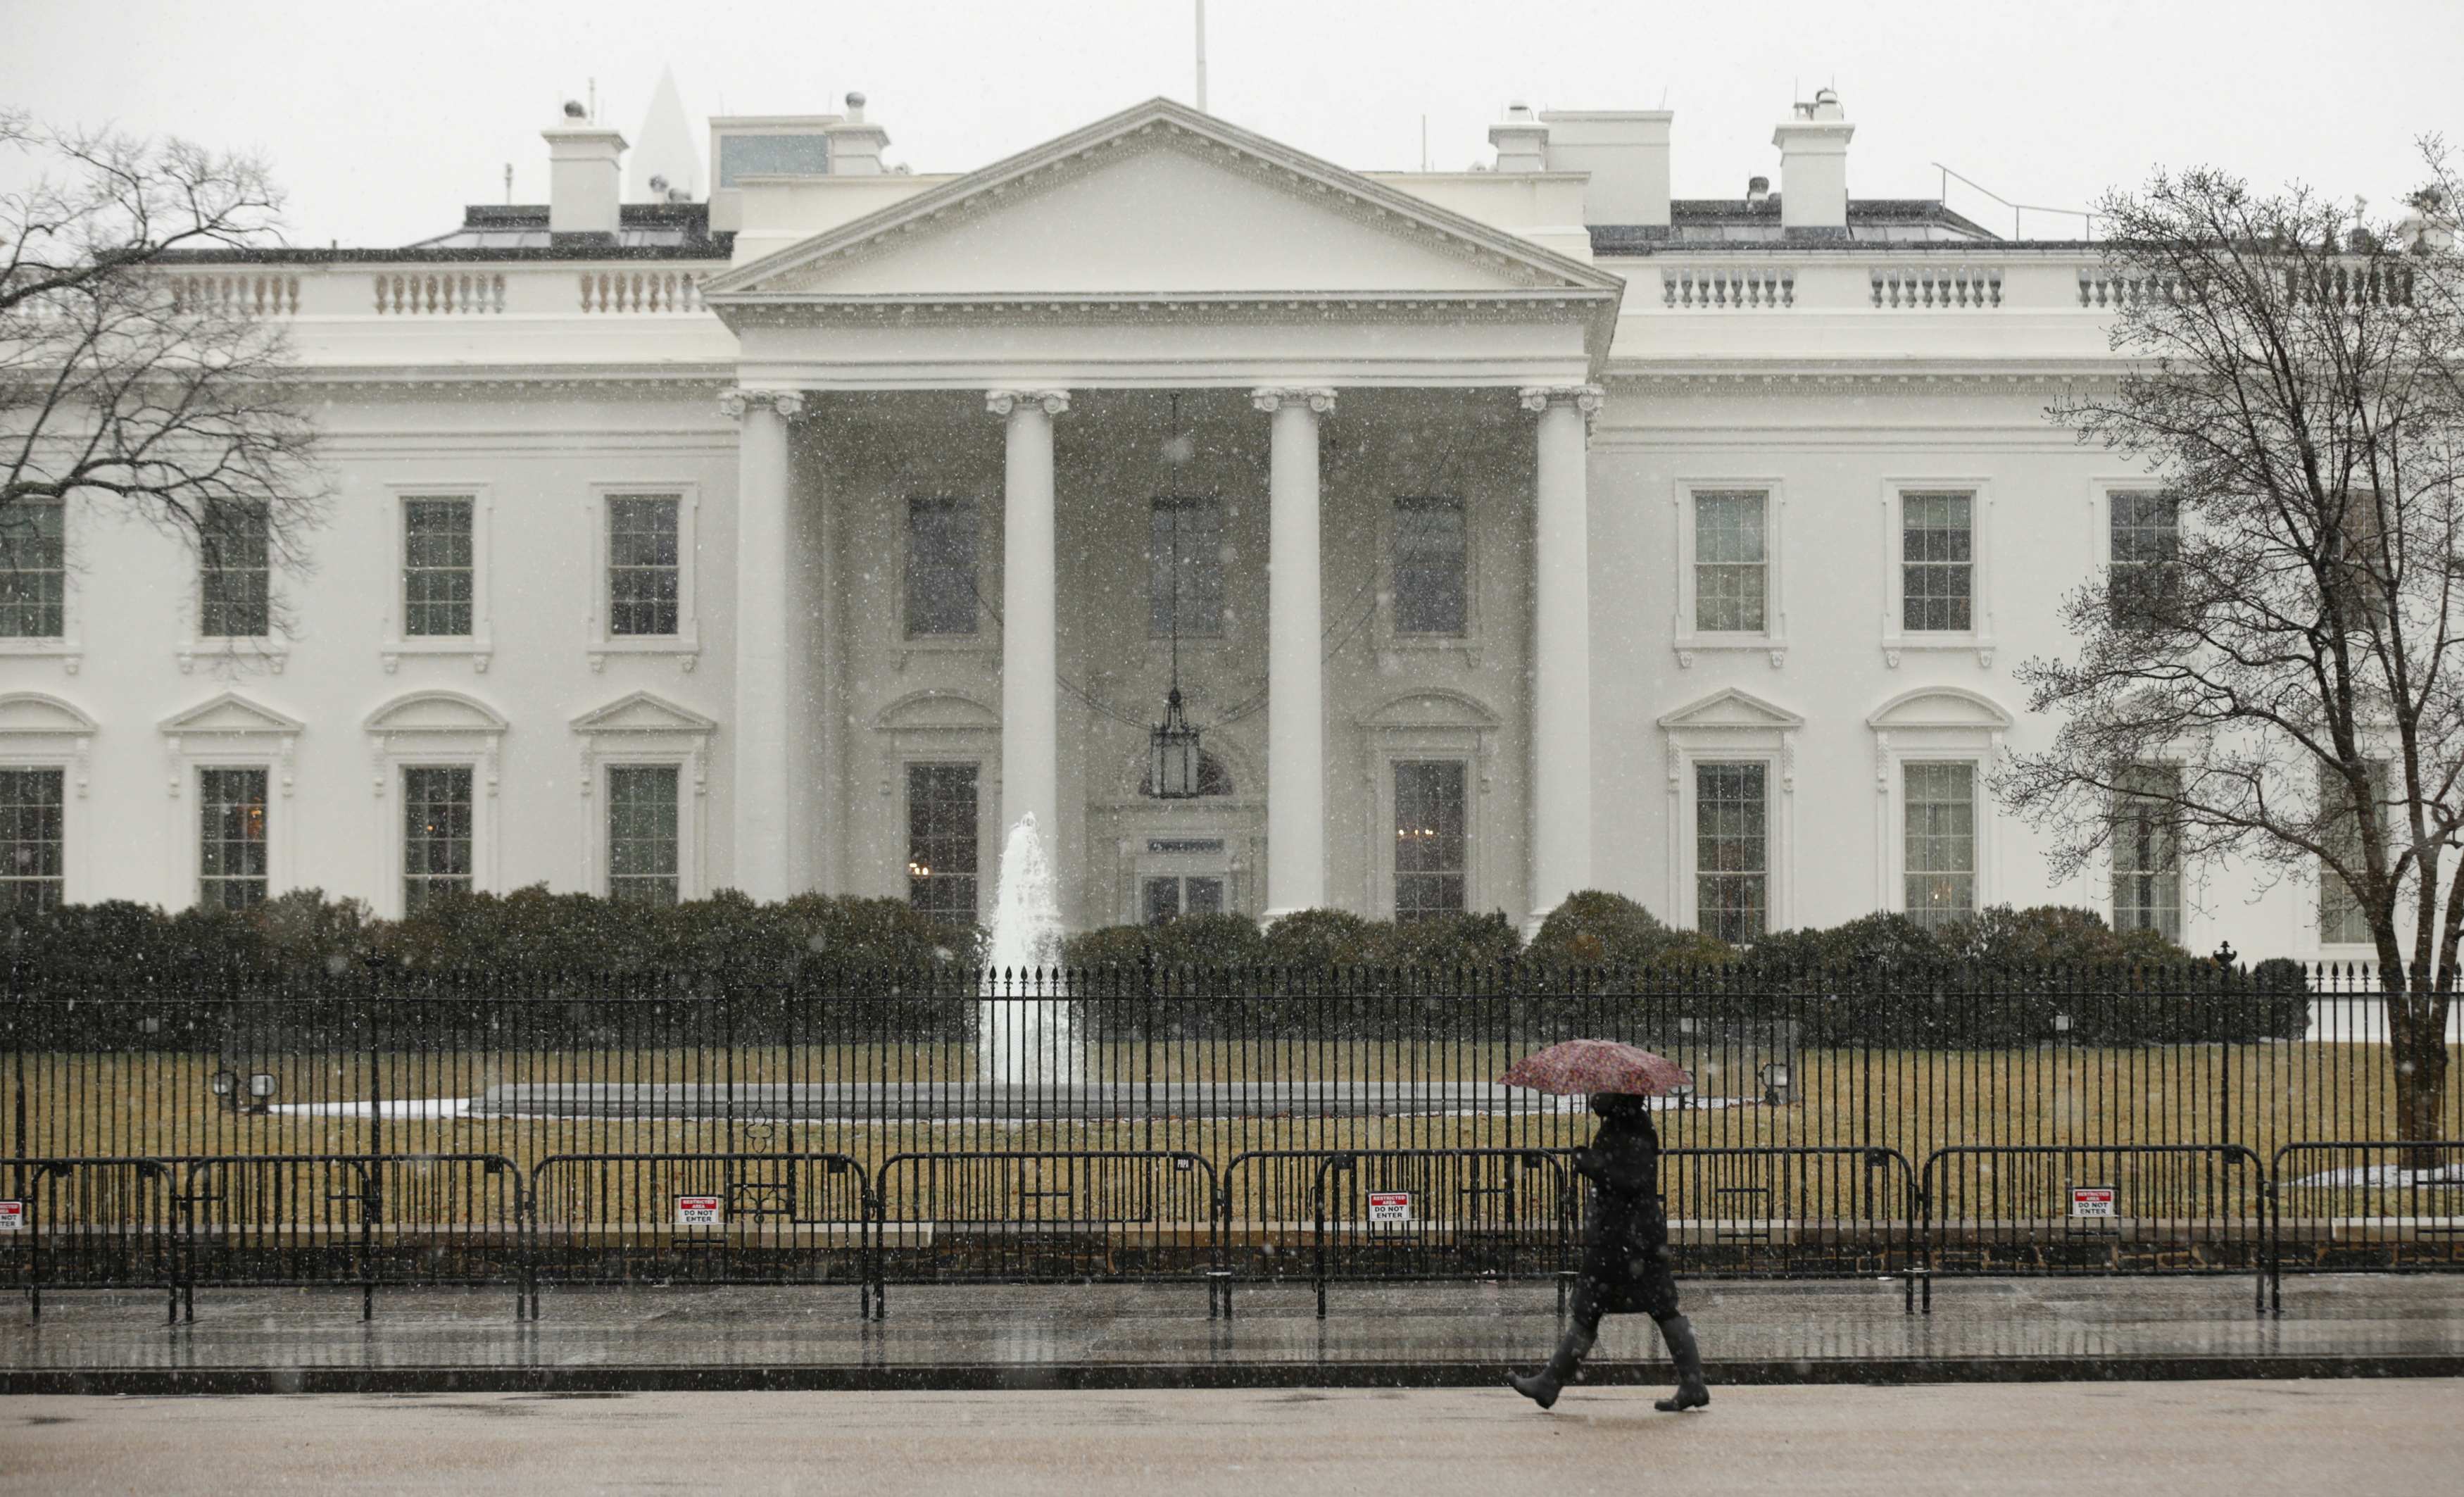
(509, 184)
(594, 100)
(1425, 142)
(1201, 57)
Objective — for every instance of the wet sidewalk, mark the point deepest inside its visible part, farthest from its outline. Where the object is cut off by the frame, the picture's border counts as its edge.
(653, 1337)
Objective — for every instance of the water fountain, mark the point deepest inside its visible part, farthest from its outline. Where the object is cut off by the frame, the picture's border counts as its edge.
(1024, 1036)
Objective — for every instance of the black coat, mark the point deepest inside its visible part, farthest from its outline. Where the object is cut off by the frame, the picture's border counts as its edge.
(1625, 1267)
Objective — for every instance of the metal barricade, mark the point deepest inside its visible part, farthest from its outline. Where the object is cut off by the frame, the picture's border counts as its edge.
(1814, 1211)
(2037, 1210)
(1061, 1215)
(1408, 1214)
(283, 1220)
(88, 1223)
(2387, 1204)
(702, 1218)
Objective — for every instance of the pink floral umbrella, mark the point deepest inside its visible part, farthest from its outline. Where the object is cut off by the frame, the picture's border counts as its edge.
(1581, 1068)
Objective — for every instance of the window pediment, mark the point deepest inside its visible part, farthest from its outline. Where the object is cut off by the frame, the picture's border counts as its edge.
(1940, 707)
(435, 712)
(230, 714)
(934, 710)
(24, 714)
(1430, 710)
(643, 712)
(1732, 708)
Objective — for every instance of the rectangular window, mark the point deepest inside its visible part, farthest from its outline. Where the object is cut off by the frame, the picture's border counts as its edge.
(1731, 851)
(436, 832)
(941, 856)
(231, 866)
(642, 843)
(2144, 580)
(31, 861)
(940, 567)
(436, 569)
(2341, 919)
(1429, 841)
(33, 569)
(644, 564)
(2359, 569)
(1432, 590)
(1937, 562)
(1941, 813)
(1185, 560)
(235, 556)
(2147, 853)
(1731, 562)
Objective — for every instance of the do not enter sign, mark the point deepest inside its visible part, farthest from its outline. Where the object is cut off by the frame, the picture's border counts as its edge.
(697, 1211)
(1389, 1208)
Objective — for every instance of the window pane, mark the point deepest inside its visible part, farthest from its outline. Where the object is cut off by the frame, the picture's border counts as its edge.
(1432, 593)
(437, 567)
(2341, 919)
(2146, 853)
(436, 832)
(2145, 577)
(643, 562)
(1731, 850)
(940, 567)
(642, 851)
(234, 550)
(33, 569)
(1731, 562)
(1937, 573)
(1430, 845)
(1159, 900)
(232, 866)
(771, 155)
(32, 865)
(1201, 895)
(941, 852)
(1192, 531)
(1941, 843)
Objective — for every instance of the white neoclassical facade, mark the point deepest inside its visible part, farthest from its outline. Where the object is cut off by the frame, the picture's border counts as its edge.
(1506, 533)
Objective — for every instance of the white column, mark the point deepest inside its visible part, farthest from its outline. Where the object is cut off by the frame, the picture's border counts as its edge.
(765, 791)
(1295, 666)
(1030, 617)
(1561, 648)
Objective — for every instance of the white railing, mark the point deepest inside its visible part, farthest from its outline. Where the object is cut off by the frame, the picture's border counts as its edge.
(1727, 288)
(2108, 291)
(653, 289)
(439, 293)
(244, 292)
(1949, 287)
(2352, 283)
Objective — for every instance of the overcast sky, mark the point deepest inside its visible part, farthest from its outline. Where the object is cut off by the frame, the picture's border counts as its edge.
(384, 118)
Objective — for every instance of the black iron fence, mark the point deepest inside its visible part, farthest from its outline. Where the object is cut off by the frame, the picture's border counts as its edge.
(378, 1128)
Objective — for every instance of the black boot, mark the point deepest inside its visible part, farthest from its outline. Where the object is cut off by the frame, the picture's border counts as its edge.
(1542, 1386)
(1692, 1392)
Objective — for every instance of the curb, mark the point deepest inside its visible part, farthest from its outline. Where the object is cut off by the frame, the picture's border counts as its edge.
(987, 1377)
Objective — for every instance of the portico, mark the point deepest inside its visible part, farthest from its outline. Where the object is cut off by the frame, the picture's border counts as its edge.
(1013, 348)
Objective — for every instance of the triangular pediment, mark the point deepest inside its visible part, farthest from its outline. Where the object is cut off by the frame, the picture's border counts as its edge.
(1160, 202)
(24, 713)
(230, 713)
(643, 712)
(1940, 707)
(435, 712)
(1732, 708)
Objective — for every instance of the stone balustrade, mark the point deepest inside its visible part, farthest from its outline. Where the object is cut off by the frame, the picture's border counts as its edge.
(246, 292)
(1937, 287)
(650, 289)
(1727, 288)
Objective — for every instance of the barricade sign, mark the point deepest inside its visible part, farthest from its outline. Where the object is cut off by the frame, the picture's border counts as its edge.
(697, 1211)
(1389, 1208)
(12, 1215)
(2091, 1200)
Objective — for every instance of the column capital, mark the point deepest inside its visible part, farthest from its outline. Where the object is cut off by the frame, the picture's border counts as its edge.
(1000, 403)
(1271, 398)
(1585, 397)
(737, 402)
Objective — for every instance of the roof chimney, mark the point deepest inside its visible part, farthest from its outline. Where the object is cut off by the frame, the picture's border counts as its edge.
(1814, 169)
(586, 181)
(1757, 191)
(1626, 152)
(855, 147)
(1522, 142)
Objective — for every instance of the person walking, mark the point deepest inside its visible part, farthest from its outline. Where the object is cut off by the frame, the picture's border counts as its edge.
(1625, 1267)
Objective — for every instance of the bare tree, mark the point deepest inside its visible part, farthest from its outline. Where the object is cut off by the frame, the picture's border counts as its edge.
(2272, 671)
(123, 382)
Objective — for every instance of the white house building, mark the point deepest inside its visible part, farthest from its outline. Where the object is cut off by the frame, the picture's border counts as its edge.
(1512, 532)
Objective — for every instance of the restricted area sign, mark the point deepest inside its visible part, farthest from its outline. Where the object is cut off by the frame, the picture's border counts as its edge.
(697, 1211)
(2091, 1200)
(1389, 1208)
(12, 1215)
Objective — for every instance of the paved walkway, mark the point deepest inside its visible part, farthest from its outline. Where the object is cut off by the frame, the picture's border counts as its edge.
(2247, 1439)
(1159, 1336)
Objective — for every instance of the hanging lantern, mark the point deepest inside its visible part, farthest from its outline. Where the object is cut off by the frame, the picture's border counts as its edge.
(1172, 756)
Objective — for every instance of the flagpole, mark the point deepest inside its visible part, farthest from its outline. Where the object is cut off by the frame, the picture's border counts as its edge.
(1201, 57)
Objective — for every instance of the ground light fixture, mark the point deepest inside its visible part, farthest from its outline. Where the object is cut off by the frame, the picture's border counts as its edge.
(1778, 1078)
(225, 1084)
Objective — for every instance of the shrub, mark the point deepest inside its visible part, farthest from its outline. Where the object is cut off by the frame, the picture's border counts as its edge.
(1595, 929)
